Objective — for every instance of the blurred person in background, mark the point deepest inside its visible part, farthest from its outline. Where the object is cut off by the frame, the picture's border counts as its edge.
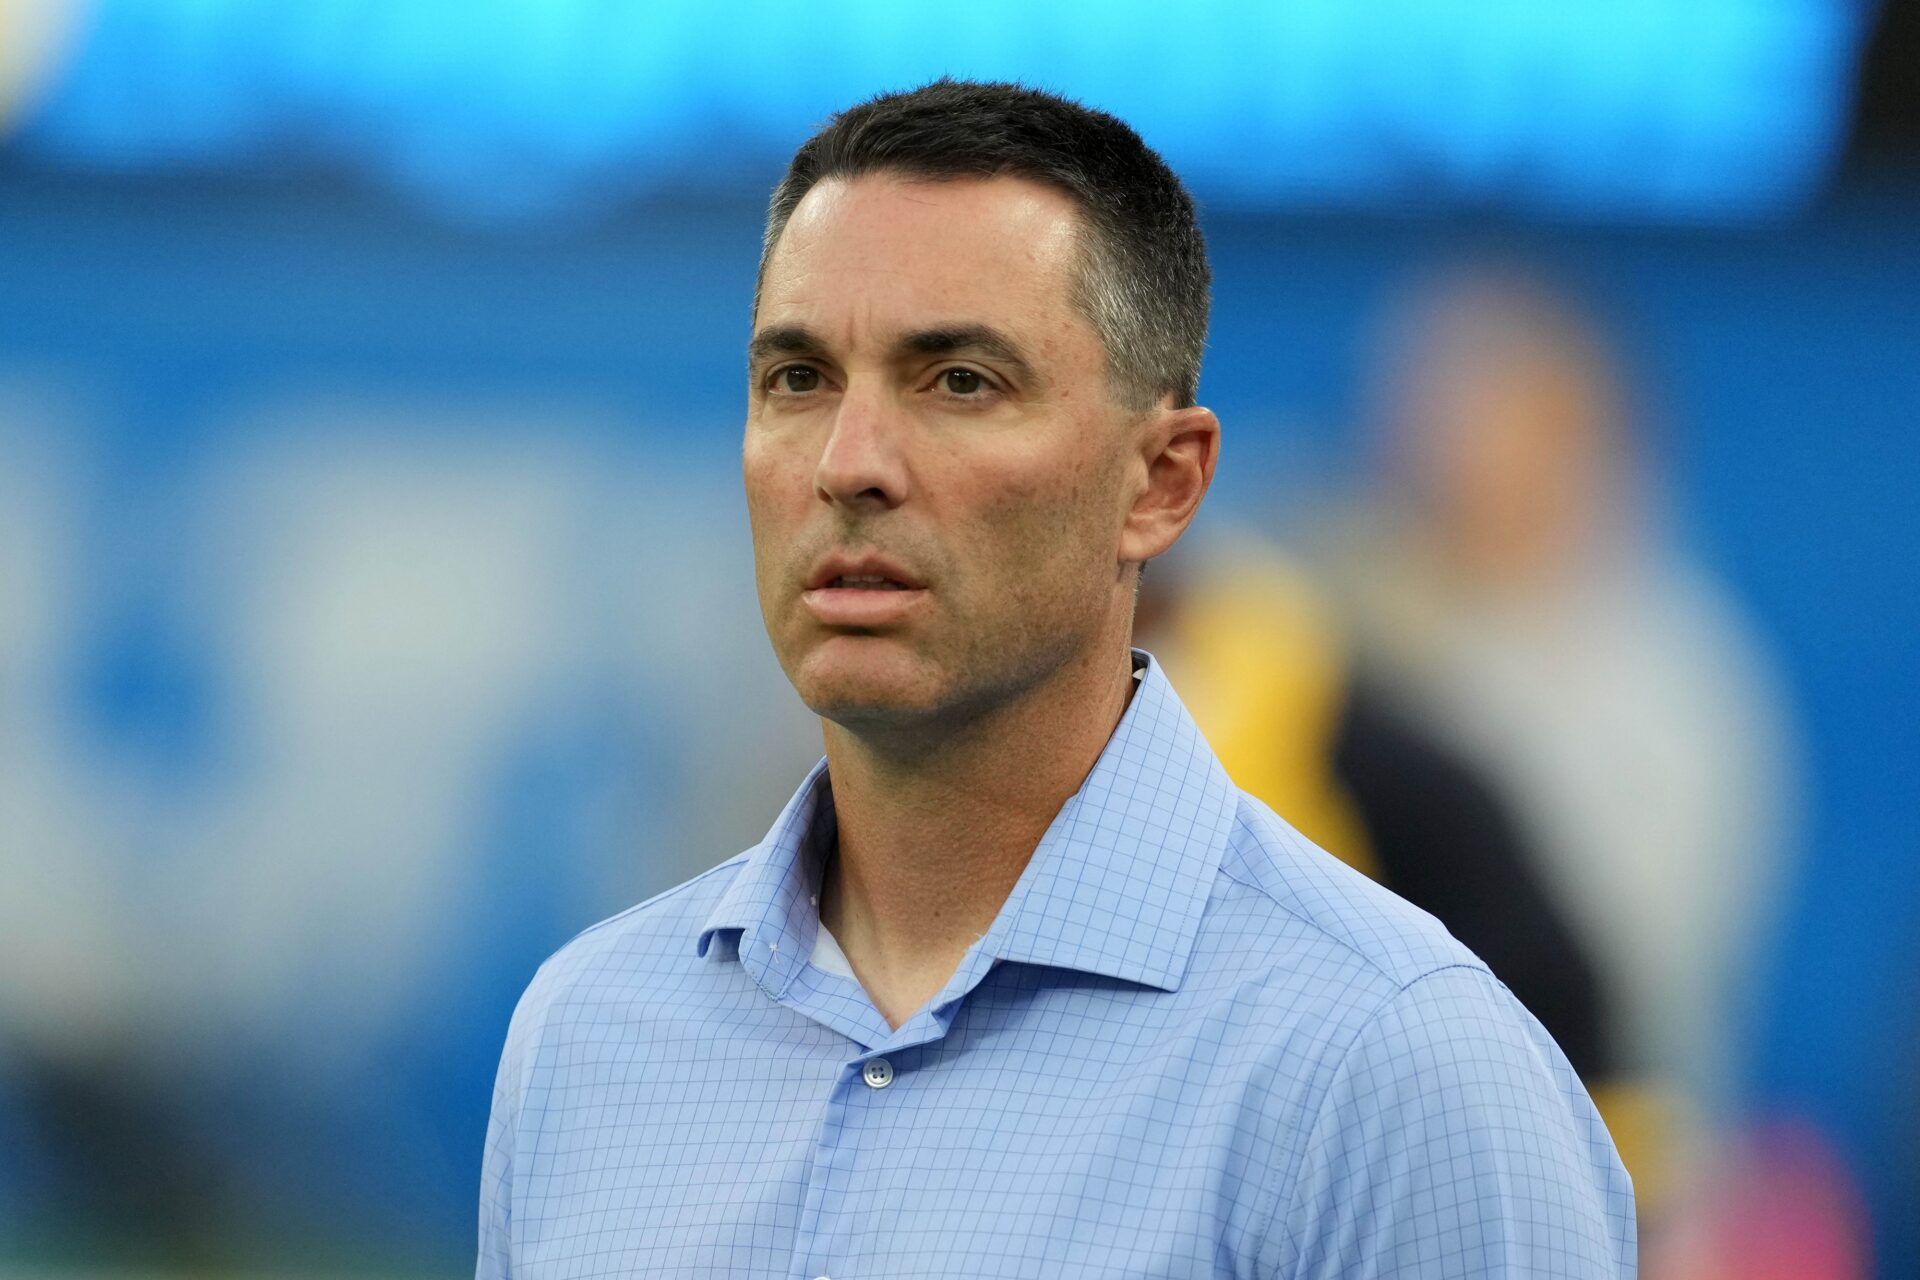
(1512, 585)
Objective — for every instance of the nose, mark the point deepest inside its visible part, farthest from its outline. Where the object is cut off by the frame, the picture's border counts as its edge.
(863, 465)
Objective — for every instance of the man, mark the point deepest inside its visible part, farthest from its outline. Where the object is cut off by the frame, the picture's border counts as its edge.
(1019, 984)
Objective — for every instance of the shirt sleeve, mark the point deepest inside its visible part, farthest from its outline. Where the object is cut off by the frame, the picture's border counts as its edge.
(496, 1166)
(1454, 1140)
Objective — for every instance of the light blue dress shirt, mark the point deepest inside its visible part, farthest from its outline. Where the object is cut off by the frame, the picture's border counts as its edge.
(1191, 1044)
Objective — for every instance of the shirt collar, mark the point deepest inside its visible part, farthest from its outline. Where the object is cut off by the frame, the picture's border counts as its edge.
(772, 902)
(1116, 886)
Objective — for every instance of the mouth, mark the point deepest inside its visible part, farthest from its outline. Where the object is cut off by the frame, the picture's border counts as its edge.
(863, 594)
(862, 571)
(865, 582)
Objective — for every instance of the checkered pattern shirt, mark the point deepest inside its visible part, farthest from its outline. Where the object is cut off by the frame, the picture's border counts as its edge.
(1191, 1044)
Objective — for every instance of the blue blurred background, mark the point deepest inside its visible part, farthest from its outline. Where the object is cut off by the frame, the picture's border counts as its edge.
(375, 607)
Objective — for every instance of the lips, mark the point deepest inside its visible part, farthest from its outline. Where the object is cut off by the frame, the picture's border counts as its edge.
(866, 572)
(862, 591)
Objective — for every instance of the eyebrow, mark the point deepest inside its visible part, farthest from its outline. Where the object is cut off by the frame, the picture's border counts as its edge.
(981, 339)
(783, 340)
(943, 340)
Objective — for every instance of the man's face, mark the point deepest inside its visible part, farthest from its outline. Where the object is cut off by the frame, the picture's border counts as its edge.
(936, 472)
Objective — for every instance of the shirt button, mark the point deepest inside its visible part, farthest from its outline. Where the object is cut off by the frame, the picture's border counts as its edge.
(878, 1073)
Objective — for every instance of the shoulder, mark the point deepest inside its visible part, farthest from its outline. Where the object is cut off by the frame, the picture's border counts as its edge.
(1309, 953)
(626, 956)
(1275, 880)
(1403, 1074)
(1436, 1100)
(1440, 1110)
(1456, 1121)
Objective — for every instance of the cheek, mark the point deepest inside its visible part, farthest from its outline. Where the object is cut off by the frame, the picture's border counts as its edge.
(1053, 527)
(777, 484)
(773, 515)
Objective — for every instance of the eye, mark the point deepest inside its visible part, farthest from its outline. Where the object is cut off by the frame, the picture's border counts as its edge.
(795, 379)
(962, 382)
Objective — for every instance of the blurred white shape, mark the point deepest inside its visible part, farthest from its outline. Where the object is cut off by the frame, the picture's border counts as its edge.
(393, 602)
(685, 610)
(37, 38)
(397, 609)
(410, 590)
(66, 980)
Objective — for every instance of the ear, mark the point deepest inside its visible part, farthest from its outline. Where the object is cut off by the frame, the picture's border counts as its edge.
(1180, 448)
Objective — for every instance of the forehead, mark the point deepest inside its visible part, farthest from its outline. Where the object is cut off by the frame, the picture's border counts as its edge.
(886, 253)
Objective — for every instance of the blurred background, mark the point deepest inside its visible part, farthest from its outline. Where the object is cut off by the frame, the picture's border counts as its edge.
(375, 608)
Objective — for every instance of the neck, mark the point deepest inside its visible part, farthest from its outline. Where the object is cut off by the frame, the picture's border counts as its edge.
(931, 842)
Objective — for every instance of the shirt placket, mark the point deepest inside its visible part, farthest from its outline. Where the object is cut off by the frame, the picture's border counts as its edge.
(833, 1221)
(876, 1080)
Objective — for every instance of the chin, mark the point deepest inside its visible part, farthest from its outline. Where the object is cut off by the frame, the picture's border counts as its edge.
(867, 682)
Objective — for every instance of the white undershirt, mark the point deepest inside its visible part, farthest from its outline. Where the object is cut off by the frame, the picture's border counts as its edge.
(827, 955)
